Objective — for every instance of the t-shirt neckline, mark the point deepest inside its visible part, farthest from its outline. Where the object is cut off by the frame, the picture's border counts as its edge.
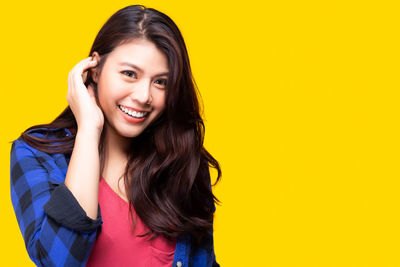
(112, 190)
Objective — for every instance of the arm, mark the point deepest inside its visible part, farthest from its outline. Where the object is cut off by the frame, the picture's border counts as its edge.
(55, 228)
(85, 163)
(85, 158)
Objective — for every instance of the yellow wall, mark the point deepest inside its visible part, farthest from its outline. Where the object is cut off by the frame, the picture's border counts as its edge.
(301, 106)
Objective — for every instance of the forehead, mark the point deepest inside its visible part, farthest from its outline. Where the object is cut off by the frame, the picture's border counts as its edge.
(141, 53)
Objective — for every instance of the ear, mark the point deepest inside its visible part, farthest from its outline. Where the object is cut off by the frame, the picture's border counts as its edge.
(95, 70)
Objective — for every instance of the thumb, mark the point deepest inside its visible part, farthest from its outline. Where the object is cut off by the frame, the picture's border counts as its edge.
(91, 93)
(91, 90)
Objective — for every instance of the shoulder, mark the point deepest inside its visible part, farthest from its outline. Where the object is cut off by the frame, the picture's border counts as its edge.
(28, 159)
(24, 149)
(48, 133)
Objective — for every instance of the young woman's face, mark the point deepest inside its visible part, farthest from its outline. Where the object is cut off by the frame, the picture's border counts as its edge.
(131, 87)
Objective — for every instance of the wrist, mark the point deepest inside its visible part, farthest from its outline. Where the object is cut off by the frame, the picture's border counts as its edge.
(91, 135)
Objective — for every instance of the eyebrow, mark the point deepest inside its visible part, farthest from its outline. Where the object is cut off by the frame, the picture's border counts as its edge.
(139, 69)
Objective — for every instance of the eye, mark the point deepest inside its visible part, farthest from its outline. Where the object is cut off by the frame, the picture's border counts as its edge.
(162, 82)
(129, 73)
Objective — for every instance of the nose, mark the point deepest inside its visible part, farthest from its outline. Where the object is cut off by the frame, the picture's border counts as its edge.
(141, 92)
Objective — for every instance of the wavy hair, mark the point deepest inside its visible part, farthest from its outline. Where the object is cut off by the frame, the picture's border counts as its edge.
(167, 179)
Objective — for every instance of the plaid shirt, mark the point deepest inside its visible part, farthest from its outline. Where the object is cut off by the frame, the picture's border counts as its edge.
(55, 228)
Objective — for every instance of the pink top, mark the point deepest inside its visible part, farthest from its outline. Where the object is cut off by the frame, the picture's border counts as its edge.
(116, 245)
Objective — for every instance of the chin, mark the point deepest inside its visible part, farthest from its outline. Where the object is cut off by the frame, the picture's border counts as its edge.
(126, 131)
(131, 133)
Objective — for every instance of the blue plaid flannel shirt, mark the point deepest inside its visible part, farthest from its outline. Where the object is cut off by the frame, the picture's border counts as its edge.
(55, 228)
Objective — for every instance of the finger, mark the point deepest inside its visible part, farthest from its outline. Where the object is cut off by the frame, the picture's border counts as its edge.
(88, 63)
(84, 76)
(90, 90)
(91, 93)
(80, 64)
(76, 77)
(83, 65)
(79, 77)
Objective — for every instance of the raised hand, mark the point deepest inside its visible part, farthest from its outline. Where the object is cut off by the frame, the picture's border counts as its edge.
(81, 100)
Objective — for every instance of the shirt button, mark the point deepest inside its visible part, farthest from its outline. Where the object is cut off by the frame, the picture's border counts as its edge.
(179, 264)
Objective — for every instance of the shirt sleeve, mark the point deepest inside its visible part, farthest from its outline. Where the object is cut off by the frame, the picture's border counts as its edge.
(55, 228)
(214, 261)
(66, 210)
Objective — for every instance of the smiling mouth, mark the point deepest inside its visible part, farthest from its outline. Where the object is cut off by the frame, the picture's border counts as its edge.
(134, 114)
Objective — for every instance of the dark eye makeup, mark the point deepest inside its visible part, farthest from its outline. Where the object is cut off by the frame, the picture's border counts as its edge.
(132, 74)
(162, 82)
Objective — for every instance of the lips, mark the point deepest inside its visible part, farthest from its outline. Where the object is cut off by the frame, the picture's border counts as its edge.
(130, 116)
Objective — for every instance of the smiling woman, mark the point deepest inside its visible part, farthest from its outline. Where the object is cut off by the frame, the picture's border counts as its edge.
(134, 89)
(121, 177)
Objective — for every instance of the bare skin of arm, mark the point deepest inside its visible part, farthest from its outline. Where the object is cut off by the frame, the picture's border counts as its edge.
(83, 173)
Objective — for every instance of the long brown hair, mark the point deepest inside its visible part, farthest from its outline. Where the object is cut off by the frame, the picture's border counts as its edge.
(167, 179)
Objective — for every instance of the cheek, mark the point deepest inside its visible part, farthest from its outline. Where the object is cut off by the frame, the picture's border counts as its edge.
(110, 90)
(161, 100)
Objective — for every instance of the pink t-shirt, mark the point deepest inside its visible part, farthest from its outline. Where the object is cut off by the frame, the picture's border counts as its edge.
(116, 245)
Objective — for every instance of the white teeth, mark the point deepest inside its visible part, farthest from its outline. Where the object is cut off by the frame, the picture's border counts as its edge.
(133, 113)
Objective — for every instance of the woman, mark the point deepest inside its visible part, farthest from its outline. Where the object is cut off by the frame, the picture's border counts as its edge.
(120, 177)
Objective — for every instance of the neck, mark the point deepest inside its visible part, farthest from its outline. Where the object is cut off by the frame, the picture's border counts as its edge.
(116, 150)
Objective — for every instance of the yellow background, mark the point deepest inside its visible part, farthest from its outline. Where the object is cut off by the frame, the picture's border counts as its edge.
(301, 106)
